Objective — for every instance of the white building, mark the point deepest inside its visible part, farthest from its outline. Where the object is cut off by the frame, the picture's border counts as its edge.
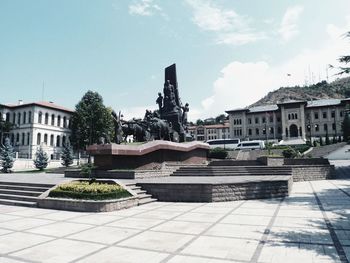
(38, 123)
(293, 120)
(210, 132)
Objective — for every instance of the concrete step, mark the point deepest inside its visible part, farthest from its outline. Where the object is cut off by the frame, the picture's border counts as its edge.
(19, 192)
(17, 203)
(147, 201)
(18, 197)
(144, 196)
(23, 188)
(27, 184)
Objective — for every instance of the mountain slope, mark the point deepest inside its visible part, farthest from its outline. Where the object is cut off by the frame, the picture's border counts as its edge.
(338, 89)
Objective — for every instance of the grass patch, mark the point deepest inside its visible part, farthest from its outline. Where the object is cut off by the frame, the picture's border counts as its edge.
(93, 191)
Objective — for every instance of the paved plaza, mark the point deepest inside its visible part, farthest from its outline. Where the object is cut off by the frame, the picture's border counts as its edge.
(312, 225)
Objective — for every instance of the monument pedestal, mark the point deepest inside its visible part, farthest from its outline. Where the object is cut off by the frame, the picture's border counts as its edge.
(149, 155)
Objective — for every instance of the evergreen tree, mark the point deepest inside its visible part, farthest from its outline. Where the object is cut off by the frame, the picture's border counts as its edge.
(7, 156)
(90, 121)
(328, 142)
(67, 155)
(41, 159)
(346, 127)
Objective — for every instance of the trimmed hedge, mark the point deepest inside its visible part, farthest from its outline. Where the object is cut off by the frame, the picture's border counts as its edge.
(218, 153)
(85, 190)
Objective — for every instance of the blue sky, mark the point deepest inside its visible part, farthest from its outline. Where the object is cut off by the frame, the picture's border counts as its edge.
(229, 53)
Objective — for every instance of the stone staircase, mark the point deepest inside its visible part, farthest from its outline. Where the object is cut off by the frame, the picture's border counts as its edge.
(234, 171)
(143, 196)
(21, 194)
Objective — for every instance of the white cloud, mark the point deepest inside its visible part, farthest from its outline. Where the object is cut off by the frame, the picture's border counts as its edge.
(144, 8)
(242, 83)
(229, 26)
(289, 25)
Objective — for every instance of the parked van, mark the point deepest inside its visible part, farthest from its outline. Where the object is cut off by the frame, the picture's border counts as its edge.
(224, 143)
(251, 145)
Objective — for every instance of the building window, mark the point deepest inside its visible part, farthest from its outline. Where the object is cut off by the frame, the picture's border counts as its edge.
(289, 117)
(24, 117)
(263, 119)
(249, 121)
(46, 118)
(17, 139)
(316, 115)
(40, 119)
(341, 113)
(249, 131)
(256, 120)
(333, 114)
(296, 116)
(19, 119)
(53, 119)
(14, 118)
(257, 131)
(272, 130)
(38, 139)
(12, 139)
(23, 138)
(8, 117)
(324, 115)
(278, 119)
(264, 131)
(28, 138)
(59, 121)
(325, 127)
(271, 118)
(58, 141)
(333, 126)
(317, 127)
(45, 139)
(30, 117)
(51, 140)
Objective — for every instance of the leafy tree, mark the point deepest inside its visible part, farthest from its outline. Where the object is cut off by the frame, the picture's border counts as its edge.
(220, 118)
(67, 155)
(290, 153)
(6, 156)
(345, 60)
(5, 127)
(41, 159)
(346, 127)
(199, 122)
(90, 121)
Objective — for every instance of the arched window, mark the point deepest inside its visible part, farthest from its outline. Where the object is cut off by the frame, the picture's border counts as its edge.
(58, 120)
(40, 118)
(53, 119)
(58, 141)
(24, 117)
(30, 117)
(28, 138)
(64, 122)
(17, 138)
(288, 116)
(63, 140)
(19, 118)
(38, 138)
(51, 140)
(23, 138)
(296, 116)
(14, 118)
(46, 118)
(69, 124)
(45, 139)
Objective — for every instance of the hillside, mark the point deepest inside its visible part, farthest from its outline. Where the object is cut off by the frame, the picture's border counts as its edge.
(335, 90)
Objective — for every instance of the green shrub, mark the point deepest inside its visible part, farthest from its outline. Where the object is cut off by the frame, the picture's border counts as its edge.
(87, 190)
(86, 169)
(218, 153)
(301, 148)
(290, 153)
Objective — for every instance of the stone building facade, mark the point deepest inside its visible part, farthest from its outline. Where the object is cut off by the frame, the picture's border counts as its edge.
(210, 132)
(293, 120)
(37, 124)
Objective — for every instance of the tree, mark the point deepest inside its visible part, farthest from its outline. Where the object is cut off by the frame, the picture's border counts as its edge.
(6, 156)
(199, 122)
(328, 142)
(90, 121)
(5, 127)
(41, 159)
(67, 155)
(220, 118)
(346, 127)
(321, 141)
(345, 60)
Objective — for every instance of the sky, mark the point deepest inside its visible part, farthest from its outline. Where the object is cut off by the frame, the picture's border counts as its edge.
(229, 53)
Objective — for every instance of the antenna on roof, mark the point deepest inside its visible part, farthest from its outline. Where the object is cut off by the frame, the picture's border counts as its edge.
(42, 91)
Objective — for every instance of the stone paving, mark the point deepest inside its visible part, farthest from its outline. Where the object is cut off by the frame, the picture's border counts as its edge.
(312, 225)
